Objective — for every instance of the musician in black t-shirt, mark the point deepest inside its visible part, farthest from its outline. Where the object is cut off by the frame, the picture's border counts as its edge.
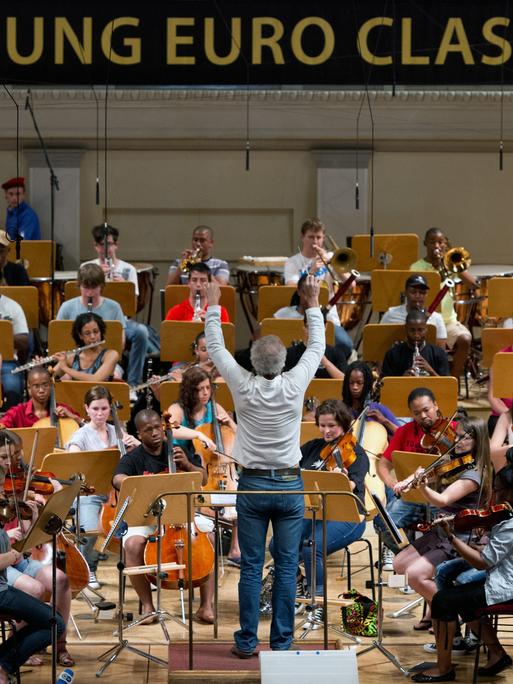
(400, 358)
(150, 458)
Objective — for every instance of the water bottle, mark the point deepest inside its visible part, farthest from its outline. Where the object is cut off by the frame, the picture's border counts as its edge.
(66, 676)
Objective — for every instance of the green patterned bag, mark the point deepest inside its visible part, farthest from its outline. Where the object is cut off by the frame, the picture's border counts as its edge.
(360, 618)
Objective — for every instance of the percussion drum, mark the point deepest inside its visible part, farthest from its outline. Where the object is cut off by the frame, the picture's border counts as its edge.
(250, 277)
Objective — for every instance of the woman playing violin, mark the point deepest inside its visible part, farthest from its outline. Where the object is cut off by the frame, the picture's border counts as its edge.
(471, 489)
(333, 420)
(96, 364)
(496, 558)
(357, 390)
(95, 435)
(29, 575)
(27, 414)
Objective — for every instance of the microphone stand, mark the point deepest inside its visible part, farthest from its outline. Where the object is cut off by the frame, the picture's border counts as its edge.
(54, 185)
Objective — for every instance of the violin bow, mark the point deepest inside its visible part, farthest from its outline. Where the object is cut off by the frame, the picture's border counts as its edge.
(31, 464)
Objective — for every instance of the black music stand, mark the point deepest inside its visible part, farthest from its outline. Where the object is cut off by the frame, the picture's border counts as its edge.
(47, 527)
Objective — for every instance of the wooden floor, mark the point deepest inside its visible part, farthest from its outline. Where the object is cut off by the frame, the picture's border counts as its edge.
(97, 637)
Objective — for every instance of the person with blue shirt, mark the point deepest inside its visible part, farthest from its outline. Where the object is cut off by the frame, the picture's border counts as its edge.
(21, 219)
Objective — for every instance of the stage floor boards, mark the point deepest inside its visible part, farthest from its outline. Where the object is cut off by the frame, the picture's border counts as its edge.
(400, 638)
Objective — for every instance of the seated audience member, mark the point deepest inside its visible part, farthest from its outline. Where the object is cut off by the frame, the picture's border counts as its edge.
(12, 385)
(466, 600)
(202, 244)
(312, 259)
(452, 492)
(502, 440)
(95, 435)
(151, 457)
(194, 307)
(114, 269)
(415, 356)
(498, 405)
(96, 364)
(333, 363)
(297, 310)
(458, 337)
(21, 606)
(415, 291)
(357, 392)
(21, 219)
(39, 384)
(91, 281)
(31, 575)
(11, 273)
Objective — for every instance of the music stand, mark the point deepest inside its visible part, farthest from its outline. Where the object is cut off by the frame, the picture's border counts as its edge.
(95, 468)
(337, 508)
(147, 508)
(405, 464)
(46, 528)
(45, 442)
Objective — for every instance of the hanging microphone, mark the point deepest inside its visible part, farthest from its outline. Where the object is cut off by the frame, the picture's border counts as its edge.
(371, 242)
(27, 100)
(247, 155)
(501, 151)
(357, 195)
(97, 191)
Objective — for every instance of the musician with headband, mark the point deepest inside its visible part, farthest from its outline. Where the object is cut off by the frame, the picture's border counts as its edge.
(26, 414)
(458, 337)
(200, 252)
(415, 293)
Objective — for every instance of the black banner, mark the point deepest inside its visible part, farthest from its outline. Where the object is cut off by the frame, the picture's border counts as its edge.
(252, 42)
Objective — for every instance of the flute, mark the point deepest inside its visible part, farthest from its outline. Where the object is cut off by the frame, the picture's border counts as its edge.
(49, 359)
(153, 381)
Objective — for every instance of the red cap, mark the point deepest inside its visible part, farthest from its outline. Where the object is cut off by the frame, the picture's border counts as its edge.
(14, 183)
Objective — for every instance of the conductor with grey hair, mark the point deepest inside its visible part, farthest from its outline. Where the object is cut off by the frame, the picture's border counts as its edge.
(269, 405)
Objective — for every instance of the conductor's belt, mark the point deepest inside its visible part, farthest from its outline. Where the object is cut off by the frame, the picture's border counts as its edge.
(272, 472)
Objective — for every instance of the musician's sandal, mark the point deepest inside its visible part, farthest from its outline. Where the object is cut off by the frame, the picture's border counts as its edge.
(423, 625)
(64, 658)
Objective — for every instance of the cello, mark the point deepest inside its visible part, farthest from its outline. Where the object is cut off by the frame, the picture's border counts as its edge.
(108, 509)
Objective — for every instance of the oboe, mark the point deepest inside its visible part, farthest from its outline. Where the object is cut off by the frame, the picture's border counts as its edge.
(49, 359)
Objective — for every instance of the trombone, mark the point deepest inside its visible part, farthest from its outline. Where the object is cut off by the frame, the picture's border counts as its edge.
(342, 261)
(455, 260)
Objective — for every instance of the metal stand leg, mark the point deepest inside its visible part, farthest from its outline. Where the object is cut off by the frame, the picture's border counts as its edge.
(378, 642)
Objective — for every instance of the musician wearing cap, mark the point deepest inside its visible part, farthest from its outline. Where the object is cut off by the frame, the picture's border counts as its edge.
(200, 252)
(415, 292)
(21, 219)
(268, 404)
(458, 337)
(10, 273)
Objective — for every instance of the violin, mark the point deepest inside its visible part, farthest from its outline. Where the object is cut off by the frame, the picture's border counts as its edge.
(340, 453)
(472, 518)
(39, 482)
(11, 508)
(441, 435)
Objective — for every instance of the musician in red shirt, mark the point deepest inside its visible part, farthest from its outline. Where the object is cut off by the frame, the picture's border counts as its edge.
(195, 306)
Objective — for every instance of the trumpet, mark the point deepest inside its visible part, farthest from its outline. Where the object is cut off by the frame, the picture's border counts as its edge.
(455, 260)
(48, 359)
(193, 258)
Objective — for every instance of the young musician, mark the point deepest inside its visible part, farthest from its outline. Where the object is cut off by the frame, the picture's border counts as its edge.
(151, 457)
(115, 269)
(30, 575)
(333, 420)
(470, 489)
(467, 600)
(458, 337)
(35, 635)
(194, 306)
(96, 364)
(202, 245)
(357, 391)
(39, 385)
(95, 435)
(415, 356)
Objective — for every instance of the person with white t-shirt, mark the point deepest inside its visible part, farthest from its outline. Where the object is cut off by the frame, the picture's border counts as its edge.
(13, 384)
(311, 260)
(415, 292)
